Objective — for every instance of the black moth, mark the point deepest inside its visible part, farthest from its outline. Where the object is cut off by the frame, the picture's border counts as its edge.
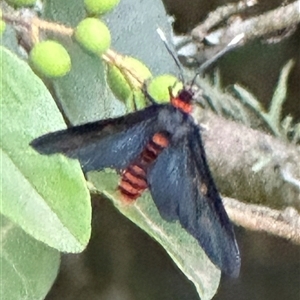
(158, 148)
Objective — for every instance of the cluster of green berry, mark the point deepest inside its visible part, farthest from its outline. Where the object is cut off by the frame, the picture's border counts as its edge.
(125, 75)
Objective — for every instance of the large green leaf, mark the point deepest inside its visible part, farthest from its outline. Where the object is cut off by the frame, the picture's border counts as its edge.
(28, 267)
(181, 246)
(46, 196)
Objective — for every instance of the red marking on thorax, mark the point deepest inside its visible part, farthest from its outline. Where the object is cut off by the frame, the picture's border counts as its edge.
(133, 181)
(184, 106)
(183, 100)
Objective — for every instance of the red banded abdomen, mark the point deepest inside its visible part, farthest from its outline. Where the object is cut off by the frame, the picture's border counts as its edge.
(133, 181)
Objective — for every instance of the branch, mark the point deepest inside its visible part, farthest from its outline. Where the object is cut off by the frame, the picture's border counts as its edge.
(250, 165)
(218, 16)
(285, 224)
(278, 19)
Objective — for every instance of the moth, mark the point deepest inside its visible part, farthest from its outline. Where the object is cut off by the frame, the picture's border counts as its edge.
(158, 148)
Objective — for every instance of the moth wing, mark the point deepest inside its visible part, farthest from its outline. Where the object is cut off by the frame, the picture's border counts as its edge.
(110, 143)
(222, 246)
(183, 189)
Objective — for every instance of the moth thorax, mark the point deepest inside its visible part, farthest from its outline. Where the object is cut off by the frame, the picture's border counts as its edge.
(183, 100)
(186, 95)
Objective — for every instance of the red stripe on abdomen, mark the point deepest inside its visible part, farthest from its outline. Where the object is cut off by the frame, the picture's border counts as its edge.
(133, 181)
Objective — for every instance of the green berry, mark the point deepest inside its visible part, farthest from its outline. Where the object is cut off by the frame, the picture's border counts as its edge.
(20, 3)
(2, 27)
(50, 59)
(159, 87)
(139, 100)
(2, 23)
(118, 84)
(93, 35)
(139, 71)
(99, 7)
(126, 82)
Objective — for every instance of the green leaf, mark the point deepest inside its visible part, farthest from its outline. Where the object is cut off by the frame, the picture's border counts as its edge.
(28, 267)
(46, 196)
(181, 246)
(280, 95)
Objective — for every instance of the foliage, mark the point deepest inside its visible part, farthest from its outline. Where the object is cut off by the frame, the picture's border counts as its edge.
(52, 188)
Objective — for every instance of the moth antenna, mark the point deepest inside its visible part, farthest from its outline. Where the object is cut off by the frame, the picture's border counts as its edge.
(231, 45)
(167, 45)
